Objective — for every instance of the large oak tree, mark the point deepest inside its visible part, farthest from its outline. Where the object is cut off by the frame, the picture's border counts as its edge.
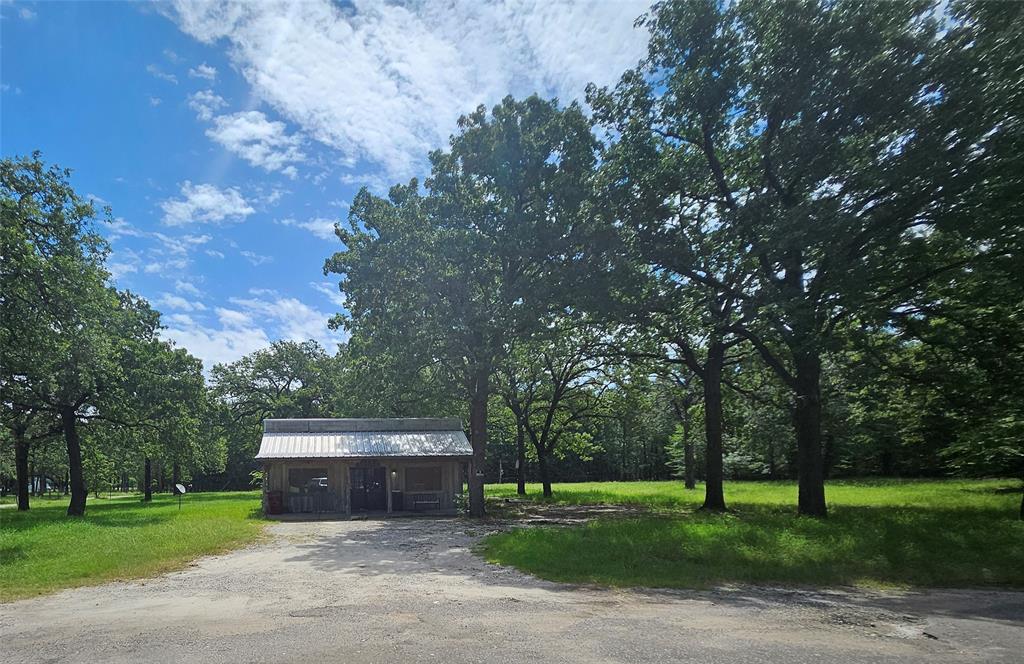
(450, 277)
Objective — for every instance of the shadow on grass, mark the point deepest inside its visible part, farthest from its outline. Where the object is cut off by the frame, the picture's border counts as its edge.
(759, 544)
(997, 490)
(122, 511)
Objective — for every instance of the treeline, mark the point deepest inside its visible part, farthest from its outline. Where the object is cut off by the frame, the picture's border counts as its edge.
(792, 231)
(786, 245)
(91, 396)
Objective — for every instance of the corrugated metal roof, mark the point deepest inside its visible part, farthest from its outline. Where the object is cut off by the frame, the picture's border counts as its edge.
(337, 425)
(358, 444)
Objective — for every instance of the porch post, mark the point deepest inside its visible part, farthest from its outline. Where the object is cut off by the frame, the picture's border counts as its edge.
(387, 485)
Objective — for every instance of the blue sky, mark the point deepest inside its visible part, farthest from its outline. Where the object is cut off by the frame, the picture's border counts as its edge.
(228, 138)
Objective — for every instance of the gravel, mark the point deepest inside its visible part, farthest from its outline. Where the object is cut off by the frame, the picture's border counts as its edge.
(412, 590)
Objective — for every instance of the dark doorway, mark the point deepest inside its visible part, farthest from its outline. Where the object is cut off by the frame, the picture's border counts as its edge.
(368, 489)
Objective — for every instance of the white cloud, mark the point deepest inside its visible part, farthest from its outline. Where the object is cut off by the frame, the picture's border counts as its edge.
(118, 269)
(233, 318)
(205, 203)
(256, 259)
(320, 227)
(161, 74)
(292, 319)
(214, 345)
(121, 228)
(158, 266)
(183, 244)
(214, 253)
(205, 103)
(172, 301)
(26, 13)
(261, 142)
(123, 261)
(172, 56)
(272, 197)
(376, 182)
(159, 253)
(249, 325)
(187, 287)
(180, 319)
(332, 292)
(385, 83)
(155, 101)
(203, 71)
(98, 201)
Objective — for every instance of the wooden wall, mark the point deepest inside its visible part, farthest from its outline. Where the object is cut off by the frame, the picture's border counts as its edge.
(276, 477)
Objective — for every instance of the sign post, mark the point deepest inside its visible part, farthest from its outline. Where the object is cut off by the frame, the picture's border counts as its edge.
(180, 490)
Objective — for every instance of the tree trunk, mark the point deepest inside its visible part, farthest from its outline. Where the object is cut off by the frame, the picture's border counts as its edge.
(175, 474)
(542, 467)
(147, 481)
(688, 479)
(829, 456)
(520, 460)
(714, 496)
(807, 422)
(79, 492)
(21, 468)
(478, 439)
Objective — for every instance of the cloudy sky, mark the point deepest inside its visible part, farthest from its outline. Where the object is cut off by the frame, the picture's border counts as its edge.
(229, 138)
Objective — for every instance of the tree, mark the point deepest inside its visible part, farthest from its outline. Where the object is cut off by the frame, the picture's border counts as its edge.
(684, 397)
(162, 409)
(288, 379)
(679, 278)
(832, 139)
(449, 278)
(56, 306)
(75, 349)
(550, 384)
(25, 426)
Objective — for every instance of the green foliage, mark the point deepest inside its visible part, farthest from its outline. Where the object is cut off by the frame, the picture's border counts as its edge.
(443, 282)
(79, 356)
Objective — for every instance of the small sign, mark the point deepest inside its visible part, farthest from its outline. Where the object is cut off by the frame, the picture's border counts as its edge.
(179, 490)
(479, 473)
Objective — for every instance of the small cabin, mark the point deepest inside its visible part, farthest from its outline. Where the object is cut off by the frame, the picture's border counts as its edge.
(351, 466)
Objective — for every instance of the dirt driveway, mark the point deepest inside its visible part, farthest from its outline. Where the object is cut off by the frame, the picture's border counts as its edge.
(411, 590)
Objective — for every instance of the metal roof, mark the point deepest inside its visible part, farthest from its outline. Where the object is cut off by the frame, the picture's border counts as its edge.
(347, 424)
(357, 438)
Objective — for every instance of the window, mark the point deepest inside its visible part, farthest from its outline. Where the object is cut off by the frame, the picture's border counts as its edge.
(423, 479)
(304, 481)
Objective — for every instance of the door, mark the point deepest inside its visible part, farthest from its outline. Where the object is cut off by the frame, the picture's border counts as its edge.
(368, 488)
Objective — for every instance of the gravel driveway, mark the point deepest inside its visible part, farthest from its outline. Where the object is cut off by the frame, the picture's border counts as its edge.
(411, 590)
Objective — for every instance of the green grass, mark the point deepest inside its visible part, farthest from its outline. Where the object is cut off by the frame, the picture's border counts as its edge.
(879, 533)
(119, 538)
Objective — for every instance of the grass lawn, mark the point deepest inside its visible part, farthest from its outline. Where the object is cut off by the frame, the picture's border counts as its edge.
(879, 533)
(119, 538)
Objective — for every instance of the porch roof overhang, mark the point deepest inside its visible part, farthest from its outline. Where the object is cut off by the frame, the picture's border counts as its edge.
(351, 438)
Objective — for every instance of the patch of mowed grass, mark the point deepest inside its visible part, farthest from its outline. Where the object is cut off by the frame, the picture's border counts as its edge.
(879, 533)
(43, 550)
